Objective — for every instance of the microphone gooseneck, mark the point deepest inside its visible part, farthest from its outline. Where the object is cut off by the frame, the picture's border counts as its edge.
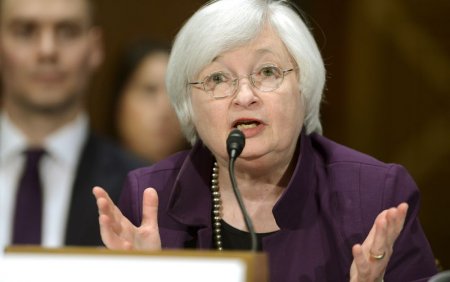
(235, 145)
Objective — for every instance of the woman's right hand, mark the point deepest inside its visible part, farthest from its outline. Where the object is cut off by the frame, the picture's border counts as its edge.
(118, 233)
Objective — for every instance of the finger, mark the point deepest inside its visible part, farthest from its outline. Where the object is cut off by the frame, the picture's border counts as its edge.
(150, 208)
(103, 201)
(108, 213)
(369, 241)
(402, 210)
(392, 221)
(102, 197)
(361, 262)
(110, 238)
(98, 192)
(108, 208)
(114, 227)
(106, 229)
(370, 237)
(395, 220)
(148, 233)
(379, 245)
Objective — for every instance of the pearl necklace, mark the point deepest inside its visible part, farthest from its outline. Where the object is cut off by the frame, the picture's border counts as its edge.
(217, 206)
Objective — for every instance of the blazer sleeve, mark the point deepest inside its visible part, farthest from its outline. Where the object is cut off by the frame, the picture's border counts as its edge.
(412, 258)
(131, 199)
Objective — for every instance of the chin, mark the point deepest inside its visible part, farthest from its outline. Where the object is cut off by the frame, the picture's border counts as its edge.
(253, 153)
(52, 106)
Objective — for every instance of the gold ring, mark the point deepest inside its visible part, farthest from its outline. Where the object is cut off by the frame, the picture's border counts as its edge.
(377, 257)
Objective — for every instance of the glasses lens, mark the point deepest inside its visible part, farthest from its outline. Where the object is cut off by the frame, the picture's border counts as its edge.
(267, 78)
(220, 84)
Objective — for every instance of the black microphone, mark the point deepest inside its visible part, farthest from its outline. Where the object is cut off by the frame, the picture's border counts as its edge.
(235, 145)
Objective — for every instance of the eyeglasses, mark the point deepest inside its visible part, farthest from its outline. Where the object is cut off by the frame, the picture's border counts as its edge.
(222, 84)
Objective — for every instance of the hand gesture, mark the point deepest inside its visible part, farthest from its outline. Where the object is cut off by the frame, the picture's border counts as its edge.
(118, 233)
(371, 258)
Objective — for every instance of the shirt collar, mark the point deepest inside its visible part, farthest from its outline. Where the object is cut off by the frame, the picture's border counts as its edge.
(66, 143)
(12, 141)
(63, 145)
(192, 187)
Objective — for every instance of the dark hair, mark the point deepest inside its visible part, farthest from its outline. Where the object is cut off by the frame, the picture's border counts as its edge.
(129, 61)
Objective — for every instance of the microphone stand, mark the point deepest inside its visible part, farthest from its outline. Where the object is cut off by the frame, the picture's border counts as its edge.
(235, 145)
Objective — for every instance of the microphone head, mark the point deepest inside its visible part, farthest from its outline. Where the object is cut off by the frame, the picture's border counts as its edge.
(235, 143)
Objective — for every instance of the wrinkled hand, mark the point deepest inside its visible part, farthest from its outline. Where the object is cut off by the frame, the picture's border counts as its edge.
(118, 233)
(379, 243)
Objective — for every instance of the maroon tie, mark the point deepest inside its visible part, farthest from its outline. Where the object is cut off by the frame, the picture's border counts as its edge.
(28, 211)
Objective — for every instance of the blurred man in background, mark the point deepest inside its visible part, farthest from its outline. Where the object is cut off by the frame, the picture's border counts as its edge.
(49, 158)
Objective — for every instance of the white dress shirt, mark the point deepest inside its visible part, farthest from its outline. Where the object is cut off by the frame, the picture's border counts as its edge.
(57, 171)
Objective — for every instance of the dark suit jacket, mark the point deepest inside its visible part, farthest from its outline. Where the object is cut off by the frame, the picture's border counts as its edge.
(104, 164)
(329, 205)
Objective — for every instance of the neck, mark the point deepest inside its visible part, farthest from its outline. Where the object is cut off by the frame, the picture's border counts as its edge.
(261, 178)
(37, 126)
(260, 189)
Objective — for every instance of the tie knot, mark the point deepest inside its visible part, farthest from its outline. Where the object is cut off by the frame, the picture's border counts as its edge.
(33, 155)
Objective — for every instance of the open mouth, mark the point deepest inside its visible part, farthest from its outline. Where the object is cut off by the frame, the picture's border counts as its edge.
(246, 124)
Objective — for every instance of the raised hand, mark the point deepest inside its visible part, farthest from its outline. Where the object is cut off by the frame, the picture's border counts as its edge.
(118, 233)
(371, 258)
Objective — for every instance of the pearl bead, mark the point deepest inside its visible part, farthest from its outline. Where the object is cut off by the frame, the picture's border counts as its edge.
(216, 206)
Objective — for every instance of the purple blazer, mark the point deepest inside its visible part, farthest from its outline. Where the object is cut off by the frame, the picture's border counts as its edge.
(330, 204)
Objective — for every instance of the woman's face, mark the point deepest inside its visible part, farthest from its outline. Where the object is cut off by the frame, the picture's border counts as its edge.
(147, 123)
(271, 121)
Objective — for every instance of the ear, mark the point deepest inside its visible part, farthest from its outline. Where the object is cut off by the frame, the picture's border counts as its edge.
(97, 54)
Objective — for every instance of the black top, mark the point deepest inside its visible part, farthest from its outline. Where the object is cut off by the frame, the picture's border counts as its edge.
(235, 239)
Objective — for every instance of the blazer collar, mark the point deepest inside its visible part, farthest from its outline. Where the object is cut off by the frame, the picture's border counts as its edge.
(191, 199)
(298, 206)
(190, 202)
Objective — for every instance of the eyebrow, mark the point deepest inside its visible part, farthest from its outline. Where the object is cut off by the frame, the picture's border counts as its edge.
(20, 19)
(263, 51)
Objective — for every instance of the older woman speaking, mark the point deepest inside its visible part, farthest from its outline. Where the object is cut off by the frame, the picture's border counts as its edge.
(321, 211)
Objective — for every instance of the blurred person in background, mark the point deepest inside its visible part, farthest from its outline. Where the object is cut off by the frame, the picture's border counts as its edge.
(144, 121)
(49, 157)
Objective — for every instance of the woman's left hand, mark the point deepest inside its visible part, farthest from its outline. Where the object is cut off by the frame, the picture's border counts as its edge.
(371, 258)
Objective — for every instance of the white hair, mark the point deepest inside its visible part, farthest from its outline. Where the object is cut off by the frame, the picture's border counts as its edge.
(223, 25)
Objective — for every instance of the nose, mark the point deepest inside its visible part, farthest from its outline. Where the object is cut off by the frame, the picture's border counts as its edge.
(245, 95)
(47, 45)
